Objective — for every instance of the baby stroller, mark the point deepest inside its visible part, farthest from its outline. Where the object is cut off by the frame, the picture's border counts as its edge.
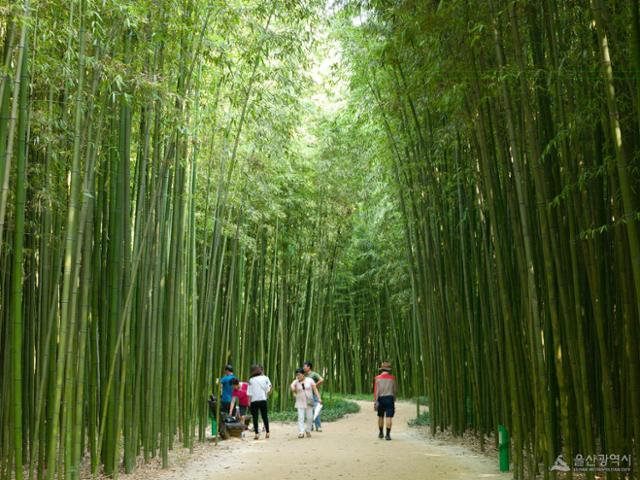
(229, 425)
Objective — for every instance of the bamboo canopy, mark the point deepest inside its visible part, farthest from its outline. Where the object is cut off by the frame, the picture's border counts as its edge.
(448, 186)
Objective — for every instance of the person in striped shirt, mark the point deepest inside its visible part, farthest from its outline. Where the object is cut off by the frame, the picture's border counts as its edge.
(384, 396)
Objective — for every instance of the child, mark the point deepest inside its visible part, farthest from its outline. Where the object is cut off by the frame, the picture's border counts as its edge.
(258, 391)
(239, 394)
(304, 389)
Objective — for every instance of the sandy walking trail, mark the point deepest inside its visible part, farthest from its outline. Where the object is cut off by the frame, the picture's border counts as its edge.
(348, 448)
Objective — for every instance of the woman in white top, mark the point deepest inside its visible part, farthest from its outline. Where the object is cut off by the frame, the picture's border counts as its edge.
(304, 388)
(258, 392)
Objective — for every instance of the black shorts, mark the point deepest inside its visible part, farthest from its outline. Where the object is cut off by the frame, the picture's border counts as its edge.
(243, 410)
(386, 406)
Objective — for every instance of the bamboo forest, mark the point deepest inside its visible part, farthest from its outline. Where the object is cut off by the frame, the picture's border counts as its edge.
(452, 186)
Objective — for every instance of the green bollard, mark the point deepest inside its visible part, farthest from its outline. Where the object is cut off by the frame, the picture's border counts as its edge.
(503, 446)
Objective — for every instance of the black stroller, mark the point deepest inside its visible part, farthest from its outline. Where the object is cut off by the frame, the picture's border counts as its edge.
(229, 425)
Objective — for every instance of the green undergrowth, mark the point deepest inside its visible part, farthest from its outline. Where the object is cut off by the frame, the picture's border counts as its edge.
(358, 396)
(423, 420)
(333, 409)
(368, 397)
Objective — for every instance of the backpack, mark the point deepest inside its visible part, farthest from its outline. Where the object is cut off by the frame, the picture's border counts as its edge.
(212, 406)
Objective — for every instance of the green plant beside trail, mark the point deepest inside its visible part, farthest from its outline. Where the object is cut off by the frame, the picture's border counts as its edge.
(333, 409)
(358, 396)
(423, 400)
(422, 420)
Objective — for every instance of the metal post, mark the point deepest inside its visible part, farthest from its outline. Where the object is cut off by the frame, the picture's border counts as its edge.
(503, 446)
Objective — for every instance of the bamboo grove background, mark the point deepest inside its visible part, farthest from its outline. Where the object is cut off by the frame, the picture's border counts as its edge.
(162, 215)
(513, 132)
(186, 183)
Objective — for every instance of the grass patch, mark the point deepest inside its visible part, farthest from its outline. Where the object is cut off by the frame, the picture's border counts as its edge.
(333, 409)
(423, 420)
(358, 396)
(368, 397)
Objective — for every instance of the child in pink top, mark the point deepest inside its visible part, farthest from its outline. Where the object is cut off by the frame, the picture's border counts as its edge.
(239, 394)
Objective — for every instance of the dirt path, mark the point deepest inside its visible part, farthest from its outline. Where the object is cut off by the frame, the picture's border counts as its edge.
(348, 449)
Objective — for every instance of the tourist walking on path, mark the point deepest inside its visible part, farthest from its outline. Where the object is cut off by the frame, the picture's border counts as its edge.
(240, 395)
(308, 372)
(258, 392)
(384, 396)
(227, 388)
(304, 390)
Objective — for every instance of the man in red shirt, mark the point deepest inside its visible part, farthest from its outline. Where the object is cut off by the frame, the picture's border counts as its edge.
(384, 396)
